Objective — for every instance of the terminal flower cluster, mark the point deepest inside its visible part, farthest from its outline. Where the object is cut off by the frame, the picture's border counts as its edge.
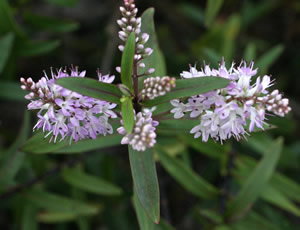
(63, 113)
(130, 23)
(234, 110)
(157, 86)
(143, 135)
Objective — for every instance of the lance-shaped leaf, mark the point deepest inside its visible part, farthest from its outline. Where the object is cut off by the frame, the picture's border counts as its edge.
(38, 144)
(89, 183)
(6, 44)
(190, 87)
(127, 113)
(57, 203)
(257, 181)
(211, 11)
(156, 60)
(127, 62)
(186, 177)
(145, 223)
(92, 88)
(145, 181)
(12, 159)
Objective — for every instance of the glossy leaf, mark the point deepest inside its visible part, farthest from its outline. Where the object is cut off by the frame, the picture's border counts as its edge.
(89, 183)
(145, 181)
(127, 113)
(92, 88)
(190, 87)
(211, 11)
(6, 45)
(127, 62)
(257, 181)
(186, 177)
(57, 203)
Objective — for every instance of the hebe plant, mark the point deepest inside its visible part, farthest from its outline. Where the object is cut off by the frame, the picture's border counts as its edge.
(220, 104)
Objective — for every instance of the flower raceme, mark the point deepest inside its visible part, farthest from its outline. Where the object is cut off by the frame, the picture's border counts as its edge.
(63, 113)
(224, 113)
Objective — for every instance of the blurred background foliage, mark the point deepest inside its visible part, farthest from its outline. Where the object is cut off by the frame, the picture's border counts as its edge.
(203, 186)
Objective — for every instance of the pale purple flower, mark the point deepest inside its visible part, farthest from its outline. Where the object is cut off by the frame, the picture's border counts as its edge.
(224, 113)
(63, 113)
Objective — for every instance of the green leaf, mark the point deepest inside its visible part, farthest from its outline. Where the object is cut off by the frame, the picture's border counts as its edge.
(12, 159)
(176, 126)
(186, 177)
(56, 217)
(274, 197)
(266, 60)
(50, 24)
(28, 218)
(92, 88)
(89, 145)
(127, 62)
(57, 203)
(193, 12)
(36, 48)
(156, 60)
(7, 22)
(127, 113)
(209, 148)
(144, 221)
(145, 181)
(11, 91)
(275, 192)
(211, 11)
(64, 3)
(250, 52)
(253, 221)
(89, 183)
(38, 144)
(190, 87)
(280, 182)
(257, 181)
(231, 31)
(6, 44)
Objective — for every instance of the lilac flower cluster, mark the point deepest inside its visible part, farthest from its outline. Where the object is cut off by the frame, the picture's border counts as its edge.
(65, 113)
(224, 113)
(143, 135)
